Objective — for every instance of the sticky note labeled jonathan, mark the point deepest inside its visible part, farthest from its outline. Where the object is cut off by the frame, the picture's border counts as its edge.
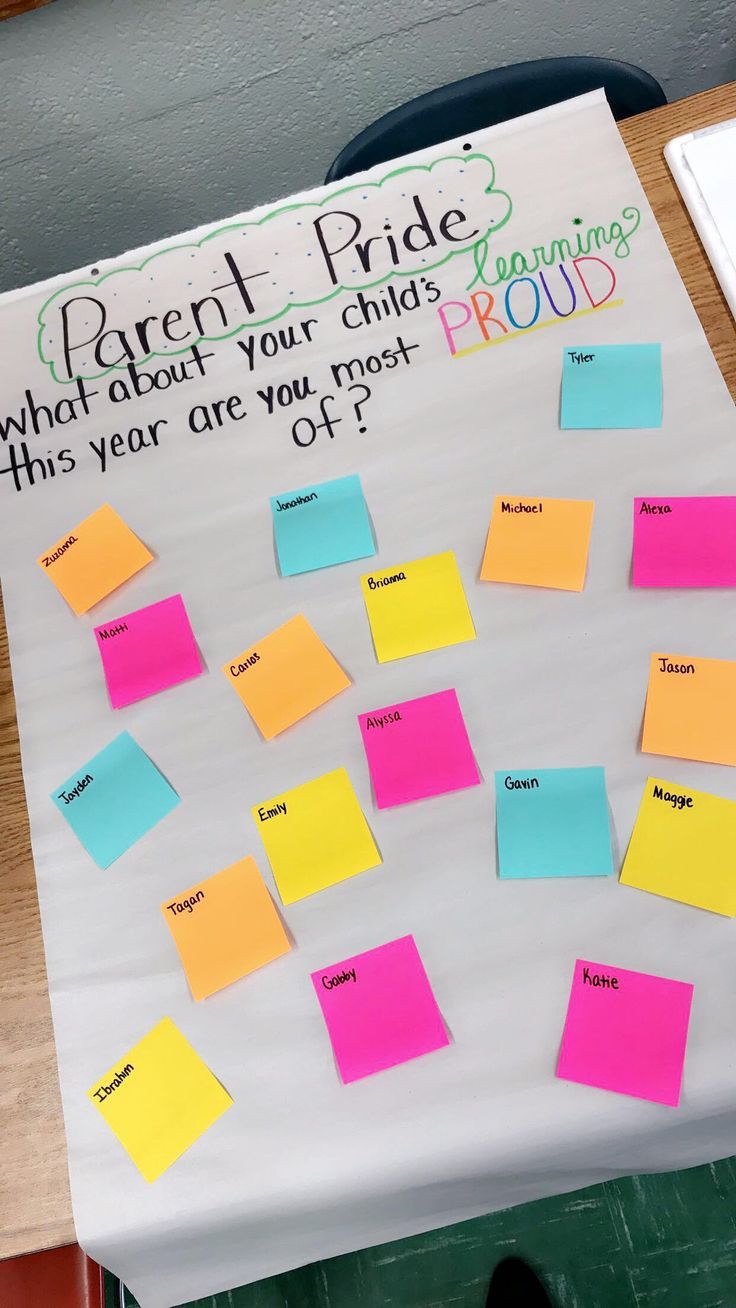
(417, 607)
(114, 799)
(553, 822)
(379, 1009)
(685, 540)
(538, 542)
(611, 386)
(691, 708)
(94, 558)
(319, 525)
(626, 1031)
(159, 1098)
(315, 835)
(417, 749)
(147, 651)
(285, 676)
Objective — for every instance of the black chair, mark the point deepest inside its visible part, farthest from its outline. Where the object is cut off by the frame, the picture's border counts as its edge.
(463, 107)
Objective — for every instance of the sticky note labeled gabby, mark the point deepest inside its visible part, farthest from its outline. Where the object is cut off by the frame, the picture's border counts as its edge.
(553, 822)
(687, 540)
(538, 542)
(690, 710)
(416, 607)
(94, 558)
(147, 651)
(320, 525)
(611, 386)
(418, 748)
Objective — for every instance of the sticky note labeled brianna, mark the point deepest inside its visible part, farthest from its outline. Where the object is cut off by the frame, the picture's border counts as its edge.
(691, 708)
(611, 386)
(553, 822)
(94, 558)
(418, 748)
(159, 1098)
(687, 540)
(147, 651)
(319, 525)
(626, 1031)
(379, 1009)
(114, 799)
(538, 542)
(416, 607)
(315, 835)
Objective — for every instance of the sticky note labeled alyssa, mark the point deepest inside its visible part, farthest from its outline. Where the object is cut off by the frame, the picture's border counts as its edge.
(319, 525)
(418, 748)
(685, 540)
(147, 651)
(611, 386)
(553, 822)
(691, 708)
(538, 542)
(94, 558)
(416, 607)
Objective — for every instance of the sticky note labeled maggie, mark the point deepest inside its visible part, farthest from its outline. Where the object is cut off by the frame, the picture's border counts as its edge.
(379, 1009)
(418, 748)
(94, 558)
(147, 651)
(687, 540)
(611, 386)
(319, 525)
(538, 542)
(315, 835)
(417, 607)
(691, 708)
(159, 1098)
(553, 822)
(626, 1031)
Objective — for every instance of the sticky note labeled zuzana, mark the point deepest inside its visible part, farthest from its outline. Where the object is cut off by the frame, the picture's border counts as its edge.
(538, 542)
(147, 651)
(317, 526)
(94, 558)
(417, 607)
(691, 708)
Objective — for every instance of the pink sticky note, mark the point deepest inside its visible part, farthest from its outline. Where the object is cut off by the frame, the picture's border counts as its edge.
(147, 651)
(626, 1031)
(418, 748)
(685, 541)
(379, 1009)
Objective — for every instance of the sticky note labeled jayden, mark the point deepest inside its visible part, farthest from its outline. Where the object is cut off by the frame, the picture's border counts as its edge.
(611, 386)
(147, 651)
(553, 822)
(538, 542)
(687, 540)
(94, 558)
(416, 607)
(691, 708)
(418, 748)
(319, 525)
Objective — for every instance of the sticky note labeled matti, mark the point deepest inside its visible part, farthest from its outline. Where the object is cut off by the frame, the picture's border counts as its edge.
(159, 1098)
(320, 525)
(416, 607)
(418, 748)
(94, 558)
(611, 386)
(147, 651)
(691, 708)
(538, 542)
(553, 822)
(687, 540)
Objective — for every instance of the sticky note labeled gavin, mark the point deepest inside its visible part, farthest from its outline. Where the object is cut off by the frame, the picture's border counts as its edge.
(626, 1031)
(691, 708)
(418, 748)
(611, 386)
(320, 525)
(147, 651)
(114, 799)
(553, 822)
(159, 1098)
(416, 607)
(687, 540)
(379, 1009)
(94, 558)
(538, 542)
(315, 835)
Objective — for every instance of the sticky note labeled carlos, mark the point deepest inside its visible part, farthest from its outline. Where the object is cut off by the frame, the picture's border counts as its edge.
(691, 708)
(320, 525)
(687, 540)
(553, 822)
(611, 386)
(147, 651)
(418, 748)
(94, 558)
(159, 1098)
(417, 607)
(538, 542)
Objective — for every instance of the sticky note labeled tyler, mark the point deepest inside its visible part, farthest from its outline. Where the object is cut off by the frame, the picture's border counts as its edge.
(626, 1031)
(538, 542)
(147, 651)
(114, 799)
(285, 676)
(159, 1098)
(94, 558)
(691, 708)
(611, 386)
(553, 822)
(315, 835)
(687, 540)
(418, 748)
(379, 1009)
(416, 607)
(319, 525)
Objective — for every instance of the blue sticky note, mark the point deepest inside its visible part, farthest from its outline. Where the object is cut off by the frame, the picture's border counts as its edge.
(553, 822)
(611, 386)
(114, 799)
(321, 525)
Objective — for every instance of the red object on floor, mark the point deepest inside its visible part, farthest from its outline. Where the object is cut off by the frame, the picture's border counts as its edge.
(55, 1278)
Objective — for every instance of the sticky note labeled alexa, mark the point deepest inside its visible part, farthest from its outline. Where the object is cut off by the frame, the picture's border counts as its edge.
(417, 607)
(147, 651)
(538, 542)
(418, 748)
(553, 822)
(94, 558)
(159, 1098)
(691, 708)
(320, 525)
(611, 386)
(685, 540)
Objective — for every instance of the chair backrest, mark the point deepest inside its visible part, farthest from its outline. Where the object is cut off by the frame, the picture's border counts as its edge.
(463, 107)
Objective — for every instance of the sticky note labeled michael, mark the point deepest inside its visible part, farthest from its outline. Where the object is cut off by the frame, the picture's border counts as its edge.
(538, 542)
(285, 676)
(159, 1098)
(691, 708)
(687, 540)
(626, 1031)
(94, 558)
(553, 822)
(315, 835)
(320, 525)
(416, 607)
(417, 749)
(611, 386)
(379, 1009)
(147, 651)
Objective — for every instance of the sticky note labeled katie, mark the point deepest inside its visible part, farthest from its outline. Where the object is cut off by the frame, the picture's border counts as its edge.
(416, 607)
(319, 525)
(147, 651)
(626, 1031)
(379, 1009)
(159, 1098)
(691, 708)
(114, 799)
(94, 558)
(611, 386)
(538, 542)
(687, 540)
(418, 748)
(315, 835)
(553, 822)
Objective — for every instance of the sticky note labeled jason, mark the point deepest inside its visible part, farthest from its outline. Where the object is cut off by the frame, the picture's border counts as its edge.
(687, 540)
(416, 607)
(94, 558)
(691, 708)
(538, 542)
(611, 386)
(418, 748)
(159, 1098)
(320, 525)
(379, 1009)
(147, 651)
(626, 1031)
(553, 822)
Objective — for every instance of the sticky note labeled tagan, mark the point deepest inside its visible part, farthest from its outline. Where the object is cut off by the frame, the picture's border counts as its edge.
(691, 708)
(553, 822)
(611, 386)
(418, 748)
(416, 607)
(538, 542)
(320, 525)
(94, 558)
(147, 651)
(687, 540)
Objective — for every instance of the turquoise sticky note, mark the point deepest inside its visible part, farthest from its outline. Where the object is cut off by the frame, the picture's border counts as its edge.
(611, 386)
(553, 822)
(321, 525)
(114, 799)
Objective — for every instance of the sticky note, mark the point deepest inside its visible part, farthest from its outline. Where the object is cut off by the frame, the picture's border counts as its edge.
(626, 1031)
(159, 1098)
(418, 748)
(147, 651)
(612, 386)
(319, 525)
(538, 542)
(379, 1009)
(315, 835)
(94, 558)
(114, 799)
(691, 708)
(553, 822)
(687, 540)
(285, 676)
(416, 607)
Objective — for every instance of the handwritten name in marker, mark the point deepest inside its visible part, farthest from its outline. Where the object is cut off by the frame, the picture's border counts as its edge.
(654, 508)
(293, 504)
(507, 507)
(237, 668)
(106, 633)
(521, 783)
(339, 979)
(374, 583)
(185, 905)
(48, 559)
(599, 979)
(677, 801)
(374, 721)
(577, 356)
(75, 791)
(266, 813)
(103, 1091)
(666, 666)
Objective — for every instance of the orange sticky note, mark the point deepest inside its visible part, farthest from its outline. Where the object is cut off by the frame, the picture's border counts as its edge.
(225, 927)
(94, 558)
(691, 708)
(533, 542)
(285, 676)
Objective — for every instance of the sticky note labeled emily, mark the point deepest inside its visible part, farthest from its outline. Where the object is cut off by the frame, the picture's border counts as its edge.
(538, 542)
(319, 525)
(379, 1009)
(315, 835)
(147, 651)
(94, 558)
(416, 607)
(611, 386)
(159, 1098)
(114, 799)
(626, 1031)
(418, 748)
(553, 822)
(687, 540)
(691, 708)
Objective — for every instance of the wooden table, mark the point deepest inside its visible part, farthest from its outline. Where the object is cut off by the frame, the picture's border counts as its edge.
(35, 1205)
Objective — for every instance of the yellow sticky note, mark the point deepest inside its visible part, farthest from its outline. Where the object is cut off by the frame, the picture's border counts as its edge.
(691, 708)
(538, 542)
(159, 1098)
(315, 835)
(416, 607)
(94, 558)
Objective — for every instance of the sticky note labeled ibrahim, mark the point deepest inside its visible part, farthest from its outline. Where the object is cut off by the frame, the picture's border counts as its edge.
(94, 558)
(319, 525)
(418, 748)
(538, 542)
(691, 708)
(611, 386)
(147, 651)
(553, 822)
(159, 1098)
(416, 607)
(685, 540)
